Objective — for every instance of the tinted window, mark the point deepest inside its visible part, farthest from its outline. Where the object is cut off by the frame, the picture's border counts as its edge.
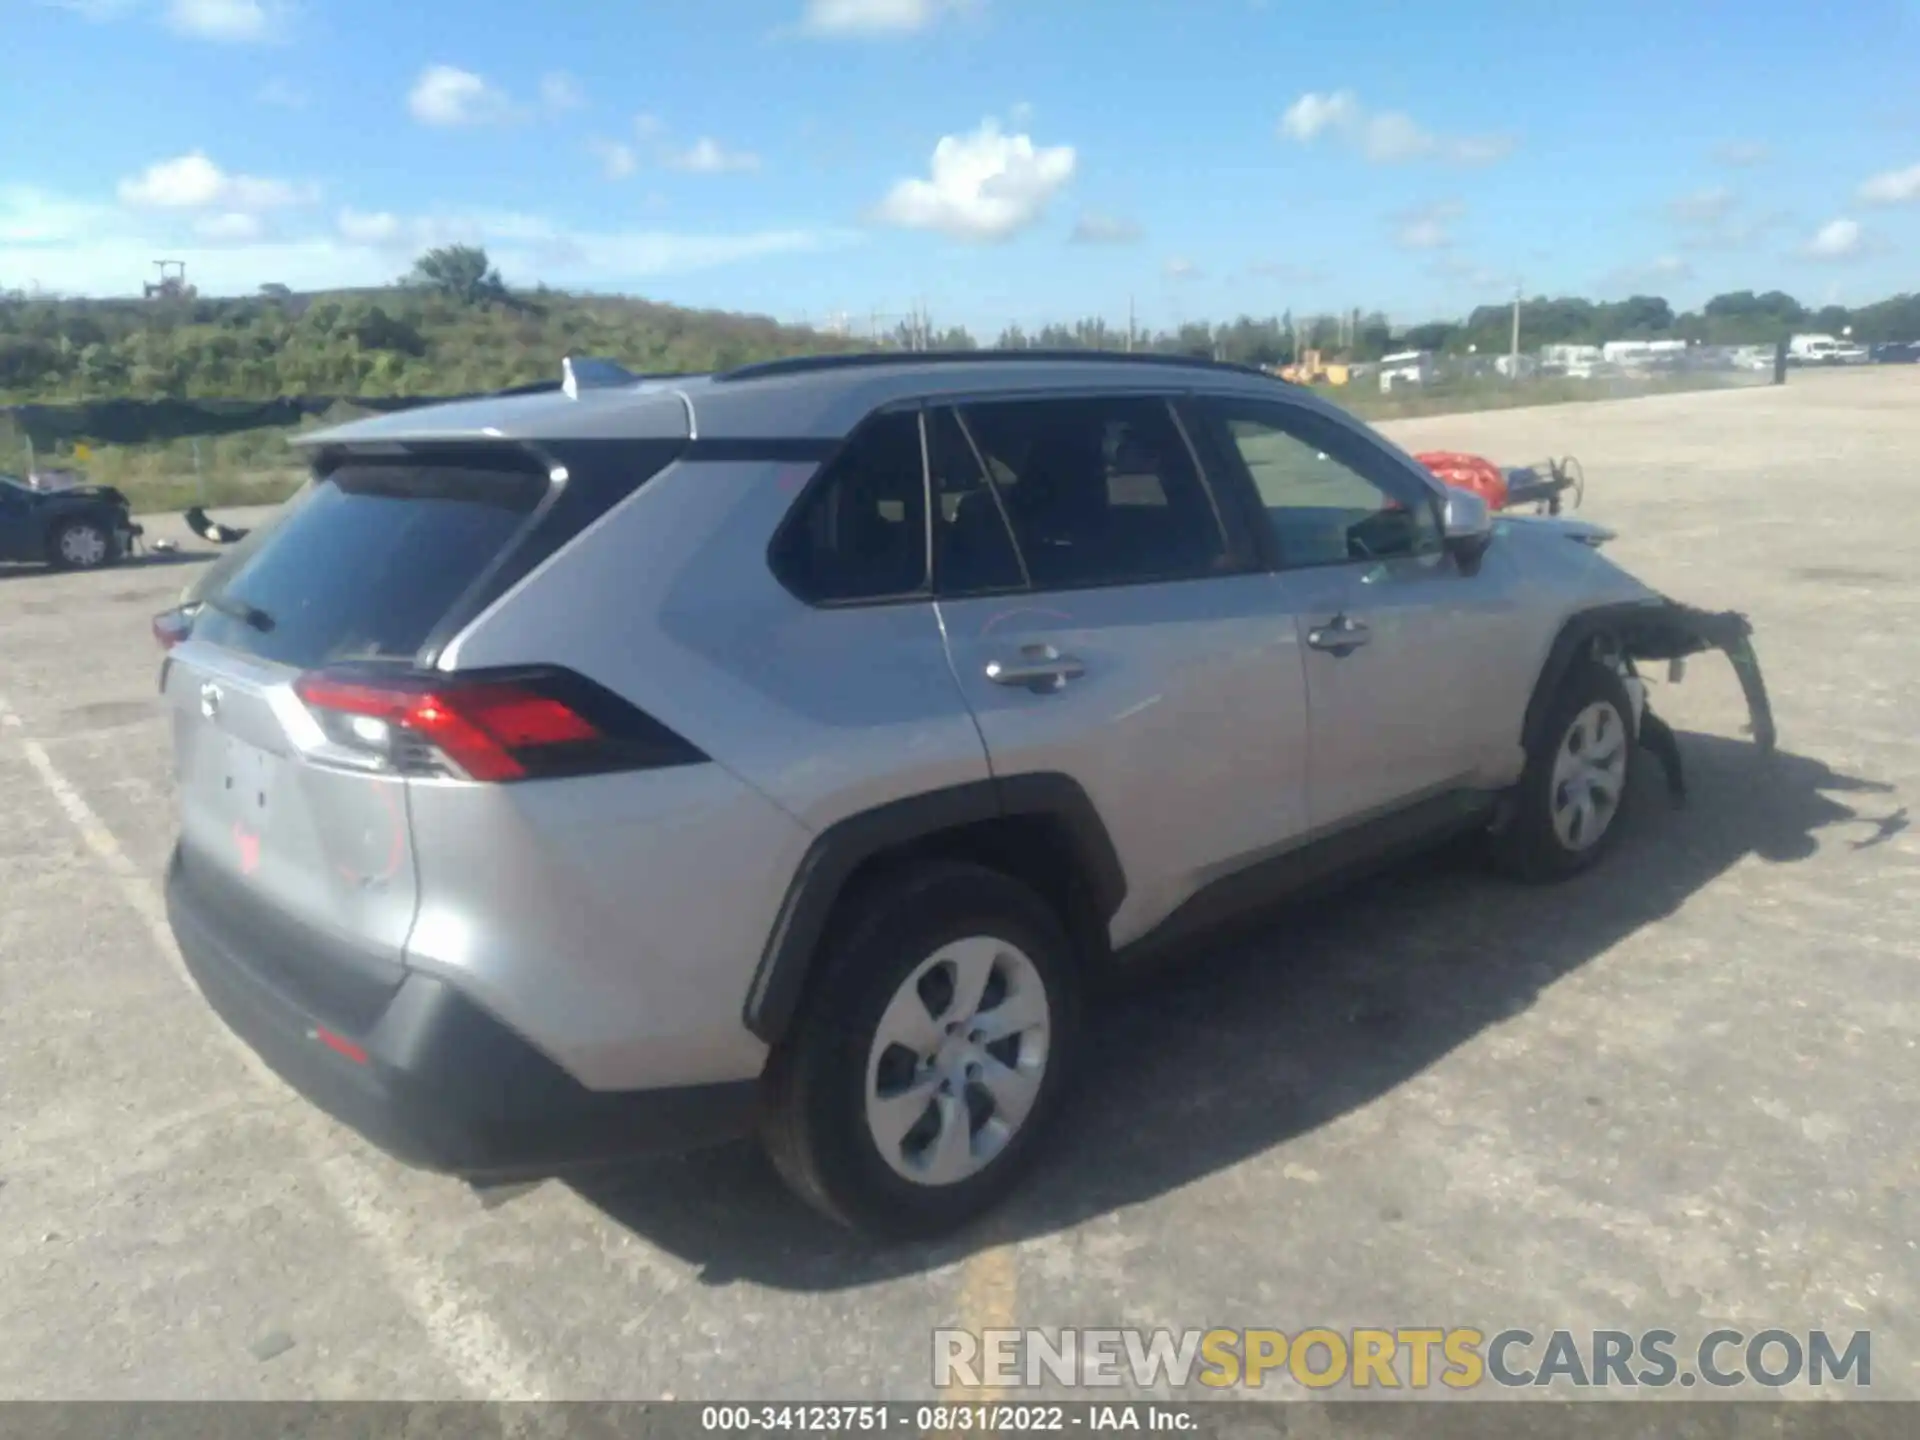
(1099, 491)
(372, 558)
(972, 549)
(1313, 482)
(860, 532)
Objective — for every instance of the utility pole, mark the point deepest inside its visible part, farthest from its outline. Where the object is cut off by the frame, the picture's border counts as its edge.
(1514, 352)
(1129, 324)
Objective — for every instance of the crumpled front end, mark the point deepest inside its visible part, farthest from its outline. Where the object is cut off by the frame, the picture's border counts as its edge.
(1673, 632)
(1667, 630)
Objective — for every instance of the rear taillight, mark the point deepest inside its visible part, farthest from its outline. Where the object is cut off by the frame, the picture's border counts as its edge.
(498, 726)
(170, 627)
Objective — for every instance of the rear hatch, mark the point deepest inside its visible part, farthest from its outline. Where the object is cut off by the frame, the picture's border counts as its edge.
(294, 841)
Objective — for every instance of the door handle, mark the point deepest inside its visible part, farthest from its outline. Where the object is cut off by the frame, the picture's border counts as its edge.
(1340, 636)
(1039, 668)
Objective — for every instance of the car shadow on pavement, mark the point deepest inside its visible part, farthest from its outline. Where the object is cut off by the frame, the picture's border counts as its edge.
(1327, 1008)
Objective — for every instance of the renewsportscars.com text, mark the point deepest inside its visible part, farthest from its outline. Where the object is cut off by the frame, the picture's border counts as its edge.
(1413, 1358)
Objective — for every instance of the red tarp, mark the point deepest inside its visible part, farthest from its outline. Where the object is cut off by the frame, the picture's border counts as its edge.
(1468, 472)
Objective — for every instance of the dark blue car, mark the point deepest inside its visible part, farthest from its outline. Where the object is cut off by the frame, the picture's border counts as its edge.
(79, 527)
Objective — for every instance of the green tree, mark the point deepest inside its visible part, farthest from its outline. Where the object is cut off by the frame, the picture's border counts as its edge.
(462, 272)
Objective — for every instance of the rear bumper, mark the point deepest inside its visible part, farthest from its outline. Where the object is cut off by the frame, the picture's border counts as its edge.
(435, 1081)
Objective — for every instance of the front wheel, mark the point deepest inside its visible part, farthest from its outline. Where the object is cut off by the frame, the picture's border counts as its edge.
(82, 545)
(930, 1055)
(1566, 810)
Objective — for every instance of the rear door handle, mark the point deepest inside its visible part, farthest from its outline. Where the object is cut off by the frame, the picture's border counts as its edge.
(1340, 636)
(1039, 668)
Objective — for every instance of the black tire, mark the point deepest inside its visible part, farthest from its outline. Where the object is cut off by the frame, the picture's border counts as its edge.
(815, 1126)
(1527, 846)
(58, 542)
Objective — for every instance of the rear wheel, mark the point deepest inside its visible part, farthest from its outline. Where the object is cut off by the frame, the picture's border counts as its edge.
(1567, 807)
(82, 545)
(930, 1055)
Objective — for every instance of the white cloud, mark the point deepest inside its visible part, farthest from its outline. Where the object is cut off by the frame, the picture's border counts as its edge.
(707, 156)
(560, 91)
(1892, 187)
(233, 21)
(378, 227)
(1093, 228)
(447, 96)
(1835, 240)
(1178, 267)
(31, 216)
(875, 17)
(76, 247)
(1716, 218)
(617, 160)
(983, 186)
(282, 93)
(1710, 206)
(1313, 114)
(1384, 137)
(194, 182)
(229, 226)
(1427, 227)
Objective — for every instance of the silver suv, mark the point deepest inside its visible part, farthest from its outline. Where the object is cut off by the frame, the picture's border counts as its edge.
(645, 762)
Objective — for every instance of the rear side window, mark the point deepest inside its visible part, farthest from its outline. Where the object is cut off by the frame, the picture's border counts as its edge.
(1100, 491)
(373, 559)
(860, 531)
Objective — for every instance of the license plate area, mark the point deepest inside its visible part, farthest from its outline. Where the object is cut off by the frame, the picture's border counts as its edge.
(249, 783)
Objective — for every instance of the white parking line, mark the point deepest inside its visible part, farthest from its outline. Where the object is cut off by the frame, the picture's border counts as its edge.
(473, 1347)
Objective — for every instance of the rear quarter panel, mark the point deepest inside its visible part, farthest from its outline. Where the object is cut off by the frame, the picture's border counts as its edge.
(618, 922)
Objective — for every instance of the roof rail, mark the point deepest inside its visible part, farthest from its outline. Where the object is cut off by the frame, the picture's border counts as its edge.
(881, 359)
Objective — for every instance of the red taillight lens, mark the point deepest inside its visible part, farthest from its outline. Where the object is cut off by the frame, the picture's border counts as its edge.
(488, 727)
(170, 627)
(483, 728)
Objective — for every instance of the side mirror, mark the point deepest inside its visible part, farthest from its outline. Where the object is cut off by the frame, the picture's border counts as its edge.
(1466, 524)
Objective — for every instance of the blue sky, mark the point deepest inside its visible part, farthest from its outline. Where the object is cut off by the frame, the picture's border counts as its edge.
(997, 160)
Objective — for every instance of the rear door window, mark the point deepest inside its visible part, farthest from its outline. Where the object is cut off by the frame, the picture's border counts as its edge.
(373, 559)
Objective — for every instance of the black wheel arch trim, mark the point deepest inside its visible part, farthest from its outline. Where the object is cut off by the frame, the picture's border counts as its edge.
(842, 848)
(1576, 635)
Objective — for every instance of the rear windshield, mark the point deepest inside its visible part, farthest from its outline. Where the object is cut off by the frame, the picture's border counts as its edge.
(371, 560)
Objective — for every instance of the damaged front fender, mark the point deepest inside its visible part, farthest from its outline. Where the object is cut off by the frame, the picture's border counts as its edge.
(1657, 629)
(1671, 631)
